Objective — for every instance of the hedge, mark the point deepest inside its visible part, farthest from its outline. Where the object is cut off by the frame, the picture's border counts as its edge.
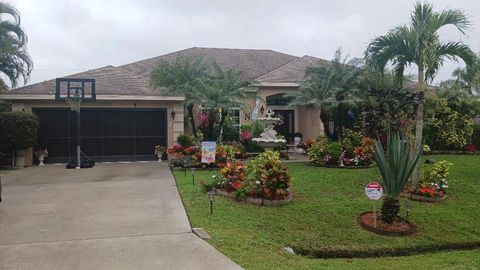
(18, 130)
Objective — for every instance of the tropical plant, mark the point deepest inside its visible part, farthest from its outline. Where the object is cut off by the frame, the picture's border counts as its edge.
(185, 140)
(224, 91)
(185, 76)
(435, 182)
(269, 176)
(328, 86)
(395, 165)
(15, 62)
(469, 77)
(419, 43)
(459, 98)
(444, 127)
(387, 106)
(18, 130)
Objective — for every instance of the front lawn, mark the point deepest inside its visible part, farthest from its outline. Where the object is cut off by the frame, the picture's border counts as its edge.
(322, 219)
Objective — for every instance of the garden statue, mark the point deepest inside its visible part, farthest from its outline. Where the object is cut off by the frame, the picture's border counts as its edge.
(268, 138)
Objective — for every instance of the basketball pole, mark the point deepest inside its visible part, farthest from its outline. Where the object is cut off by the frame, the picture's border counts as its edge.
(78, 139)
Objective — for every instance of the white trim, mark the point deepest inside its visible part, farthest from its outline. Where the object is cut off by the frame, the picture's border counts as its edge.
(99, 97)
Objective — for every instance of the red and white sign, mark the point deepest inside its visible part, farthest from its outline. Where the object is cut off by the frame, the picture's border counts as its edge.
(374, 191)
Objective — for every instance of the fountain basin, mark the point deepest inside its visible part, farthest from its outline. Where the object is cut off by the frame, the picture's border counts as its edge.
(269, 143)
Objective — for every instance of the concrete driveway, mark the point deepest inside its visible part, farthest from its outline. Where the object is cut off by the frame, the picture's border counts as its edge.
(113, 216)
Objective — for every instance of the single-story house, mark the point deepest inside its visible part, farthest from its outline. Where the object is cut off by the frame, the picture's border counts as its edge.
(129, 117)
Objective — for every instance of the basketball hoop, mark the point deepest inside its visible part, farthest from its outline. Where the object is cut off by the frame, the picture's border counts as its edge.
(73, 91)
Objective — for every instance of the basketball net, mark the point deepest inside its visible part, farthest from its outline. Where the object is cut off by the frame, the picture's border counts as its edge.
(74, 103)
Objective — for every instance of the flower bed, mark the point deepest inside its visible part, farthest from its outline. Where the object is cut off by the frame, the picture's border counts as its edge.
(434, 186)
(354, 151)
(265, 181)
(255, 200)
(191, 156)
(341, 167)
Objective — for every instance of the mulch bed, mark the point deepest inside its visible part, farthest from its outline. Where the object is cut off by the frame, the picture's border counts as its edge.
(255, 200)
(339, 167)
(421, 198)
(399, 227)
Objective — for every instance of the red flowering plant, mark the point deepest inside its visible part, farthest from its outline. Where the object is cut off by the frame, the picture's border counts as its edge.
(175, 150)
(233, 174)
(471, 148)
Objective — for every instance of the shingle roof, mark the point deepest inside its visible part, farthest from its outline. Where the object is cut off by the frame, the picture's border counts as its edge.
(253, 63)
(132, 79)
(291, 72)
(109, 80)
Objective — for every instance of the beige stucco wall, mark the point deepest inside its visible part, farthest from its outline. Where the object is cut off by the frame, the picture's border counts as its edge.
(307, 118)
(175, 127)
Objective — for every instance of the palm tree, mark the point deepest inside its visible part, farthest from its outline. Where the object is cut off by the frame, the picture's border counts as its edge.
(186, 76)
(328, 85)
(469, 77)
(224, 91)
(419, 43)
(15, 62)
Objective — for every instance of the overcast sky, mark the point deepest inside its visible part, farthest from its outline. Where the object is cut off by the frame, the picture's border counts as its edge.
(67, 36)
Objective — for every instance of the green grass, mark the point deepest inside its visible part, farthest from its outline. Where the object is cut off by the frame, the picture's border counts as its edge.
(322, 216)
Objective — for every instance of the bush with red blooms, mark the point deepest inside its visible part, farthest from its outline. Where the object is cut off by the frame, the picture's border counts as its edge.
(175, 150)
(471, 148)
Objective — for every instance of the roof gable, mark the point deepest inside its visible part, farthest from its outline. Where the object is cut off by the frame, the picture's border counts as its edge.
(292, 72)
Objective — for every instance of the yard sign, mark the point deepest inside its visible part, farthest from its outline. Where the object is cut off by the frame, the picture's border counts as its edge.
(374, 191)
(208, 152)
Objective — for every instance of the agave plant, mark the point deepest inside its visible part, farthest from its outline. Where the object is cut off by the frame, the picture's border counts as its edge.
(396, 165)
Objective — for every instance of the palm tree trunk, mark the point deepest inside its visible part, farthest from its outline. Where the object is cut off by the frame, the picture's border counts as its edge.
(212, 118)
(192, 119)
(419, 122)
(222, 122)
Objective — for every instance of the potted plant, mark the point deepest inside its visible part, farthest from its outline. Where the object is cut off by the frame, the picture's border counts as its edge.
(159, 152)
(41, 154)
(396, 165)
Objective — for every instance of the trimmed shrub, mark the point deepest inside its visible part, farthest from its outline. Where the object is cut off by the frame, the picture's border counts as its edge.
(18, 130)
(445, 128)
(185, 140)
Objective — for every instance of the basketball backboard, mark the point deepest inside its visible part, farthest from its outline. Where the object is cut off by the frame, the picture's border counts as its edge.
(81, 88)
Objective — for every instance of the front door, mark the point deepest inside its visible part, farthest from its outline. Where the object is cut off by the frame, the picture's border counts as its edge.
(287, 126)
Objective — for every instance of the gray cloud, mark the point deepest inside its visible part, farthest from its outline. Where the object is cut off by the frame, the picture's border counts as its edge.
(69, 36)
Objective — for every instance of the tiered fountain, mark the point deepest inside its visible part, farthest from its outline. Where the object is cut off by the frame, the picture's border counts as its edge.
(268, 139)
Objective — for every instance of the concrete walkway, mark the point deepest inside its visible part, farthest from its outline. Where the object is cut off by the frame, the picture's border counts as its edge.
(113, 216)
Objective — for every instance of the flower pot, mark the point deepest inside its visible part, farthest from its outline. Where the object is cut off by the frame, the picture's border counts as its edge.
(41, 158)
(159, 155)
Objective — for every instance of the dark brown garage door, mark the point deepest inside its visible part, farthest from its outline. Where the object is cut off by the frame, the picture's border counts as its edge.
(106, 134)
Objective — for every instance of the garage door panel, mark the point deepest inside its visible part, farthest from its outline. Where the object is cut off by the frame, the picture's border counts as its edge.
(118, 123)
(118, 146)
(90, 123)
(146, 146)
(57, 147)
(106, 134)
(89, 146)
(150, 123)
(53, 123)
